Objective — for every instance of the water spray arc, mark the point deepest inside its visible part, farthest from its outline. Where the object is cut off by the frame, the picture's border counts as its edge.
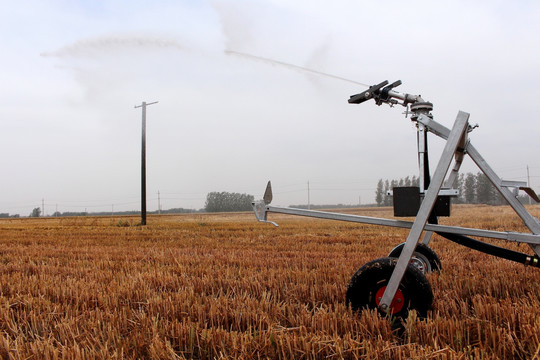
(291, 66)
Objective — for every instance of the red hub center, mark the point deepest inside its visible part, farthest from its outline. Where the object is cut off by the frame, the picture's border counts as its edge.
(397, 303)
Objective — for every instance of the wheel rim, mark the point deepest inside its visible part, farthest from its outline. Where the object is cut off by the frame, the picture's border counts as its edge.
(397, 303)
(423, 258)
(421, 263)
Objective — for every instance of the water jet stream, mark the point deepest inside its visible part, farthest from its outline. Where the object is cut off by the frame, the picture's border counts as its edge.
(291, 66)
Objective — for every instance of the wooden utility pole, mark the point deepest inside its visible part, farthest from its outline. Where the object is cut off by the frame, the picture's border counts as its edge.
(143, 161)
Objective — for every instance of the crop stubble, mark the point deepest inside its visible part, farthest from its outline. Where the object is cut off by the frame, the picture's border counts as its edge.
(224, 286)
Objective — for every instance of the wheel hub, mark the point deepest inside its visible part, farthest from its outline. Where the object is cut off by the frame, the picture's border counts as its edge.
(397, 303)
(420, 264)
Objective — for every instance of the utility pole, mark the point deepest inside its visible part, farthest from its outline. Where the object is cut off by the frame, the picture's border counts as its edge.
(158, 203)
(143, 161)
(43, 207)
(308, 197)
(528, 183)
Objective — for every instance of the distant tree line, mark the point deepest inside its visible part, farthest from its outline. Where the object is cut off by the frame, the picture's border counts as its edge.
(7, 215)
(215, 202)
(226, 201)
(37, 212)
(473, 189)
(382, 197)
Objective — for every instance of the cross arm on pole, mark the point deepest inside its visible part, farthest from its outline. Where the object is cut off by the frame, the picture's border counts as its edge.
(146, 104)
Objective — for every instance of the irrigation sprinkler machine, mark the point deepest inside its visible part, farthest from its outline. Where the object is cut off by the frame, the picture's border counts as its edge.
(397, 284)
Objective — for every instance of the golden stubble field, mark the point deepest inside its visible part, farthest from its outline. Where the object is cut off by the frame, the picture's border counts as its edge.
(227, 287)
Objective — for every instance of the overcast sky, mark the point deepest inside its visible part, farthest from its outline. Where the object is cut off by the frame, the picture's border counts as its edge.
(73, 71)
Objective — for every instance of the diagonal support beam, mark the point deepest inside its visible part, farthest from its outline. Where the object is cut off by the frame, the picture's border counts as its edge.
(530, 221)
(460, 126)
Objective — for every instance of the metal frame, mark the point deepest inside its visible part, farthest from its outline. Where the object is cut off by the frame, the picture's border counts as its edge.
(457, 146)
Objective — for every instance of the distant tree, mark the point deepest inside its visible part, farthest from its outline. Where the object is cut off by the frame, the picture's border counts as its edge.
(407, 181)
(469, 188)
(487, 193)
(226, 201)
(36, 212)
(484, 191)
(379, 193)
(460, 186)
(393, 184)
(498, 199)
(387, 199)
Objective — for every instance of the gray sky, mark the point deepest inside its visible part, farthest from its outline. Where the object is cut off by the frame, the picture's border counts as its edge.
(74, 70)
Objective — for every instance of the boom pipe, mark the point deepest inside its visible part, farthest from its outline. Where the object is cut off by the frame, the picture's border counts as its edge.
(507, 235)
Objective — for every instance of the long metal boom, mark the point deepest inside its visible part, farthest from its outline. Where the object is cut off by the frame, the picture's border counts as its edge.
(501, 235)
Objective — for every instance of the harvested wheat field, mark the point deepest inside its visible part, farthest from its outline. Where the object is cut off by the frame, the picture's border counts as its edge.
(227, 287)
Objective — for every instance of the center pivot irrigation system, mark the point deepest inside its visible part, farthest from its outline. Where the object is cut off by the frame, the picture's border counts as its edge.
(397, 284)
